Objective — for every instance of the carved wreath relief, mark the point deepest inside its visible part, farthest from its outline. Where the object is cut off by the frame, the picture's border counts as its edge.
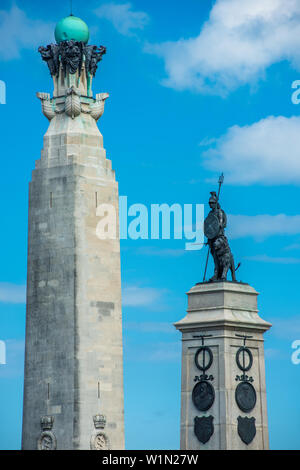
(99, 440)
(71, 55)
(47, 440)
(245, 395)
(203, 394)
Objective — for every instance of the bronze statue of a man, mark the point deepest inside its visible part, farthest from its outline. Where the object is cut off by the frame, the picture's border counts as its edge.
(214, 226)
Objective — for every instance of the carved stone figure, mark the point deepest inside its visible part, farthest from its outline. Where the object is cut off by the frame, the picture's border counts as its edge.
(71, 54)
(93, 55)
(50, 54)
(97, 109)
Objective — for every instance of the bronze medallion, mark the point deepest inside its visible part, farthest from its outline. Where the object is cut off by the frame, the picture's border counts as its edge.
(245, 396)
(203, 395)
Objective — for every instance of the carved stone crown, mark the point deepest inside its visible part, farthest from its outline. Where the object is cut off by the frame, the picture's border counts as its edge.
(99, 421)
(71, 55)
(47, 423)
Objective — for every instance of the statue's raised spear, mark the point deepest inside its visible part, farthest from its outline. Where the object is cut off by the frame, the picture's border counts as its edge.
(221, 181)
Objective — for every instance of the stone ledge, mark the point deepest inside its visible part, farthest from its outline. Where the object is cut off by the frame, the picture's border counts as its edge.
(222, 305)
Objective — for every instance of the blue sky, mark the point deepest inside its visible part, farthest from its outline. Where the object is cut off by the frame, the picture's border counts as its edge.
(196, 88)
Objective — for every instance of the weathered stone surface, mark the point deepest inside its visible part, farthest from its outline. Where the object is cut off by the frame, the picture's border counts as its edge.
(222, 310)
(74, 320)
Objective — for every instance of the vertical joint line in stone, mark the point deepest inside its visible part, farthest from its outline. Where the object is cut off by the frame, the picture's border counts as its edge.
(48, 391)
(51, 199)
(98, 384)
(96, 199)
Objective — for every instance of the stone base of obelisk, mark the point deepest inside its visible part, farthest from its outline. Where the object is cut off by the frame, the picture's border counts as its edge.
(226, 417)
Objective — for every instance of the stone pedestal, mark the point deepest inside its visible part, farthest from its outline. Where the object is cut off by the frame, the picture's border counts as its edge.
(223, 391)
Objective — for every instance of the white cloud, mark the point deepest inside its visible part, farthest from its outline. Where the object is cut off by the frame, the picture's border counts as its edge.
(266, 152)
(18, 32)
(262, 226)
(235, 46)
(12, 293)
(123, 17)
(135, 296)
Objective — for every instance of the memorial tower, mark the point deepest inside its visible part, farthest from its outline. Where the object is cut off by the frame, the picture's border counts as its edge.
(73, 386)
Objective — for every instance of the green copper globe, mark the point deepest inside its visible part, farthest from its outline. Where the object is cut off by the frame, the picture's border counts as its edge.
(70, 28)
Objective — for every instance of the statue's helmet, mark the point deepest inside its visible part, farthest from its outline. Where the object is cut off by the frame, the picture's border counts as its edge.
(213, 198)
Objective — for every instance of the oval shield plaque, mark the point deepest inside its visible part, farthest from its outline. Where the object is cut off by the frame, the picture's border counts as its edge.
(245, 396)
(46, 441)
(203, 395)
(211, 226)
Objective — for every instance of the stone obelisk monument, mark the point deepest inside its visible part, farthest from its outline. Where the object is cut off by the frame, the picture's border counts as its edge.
(73, 391)
(223, 390)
